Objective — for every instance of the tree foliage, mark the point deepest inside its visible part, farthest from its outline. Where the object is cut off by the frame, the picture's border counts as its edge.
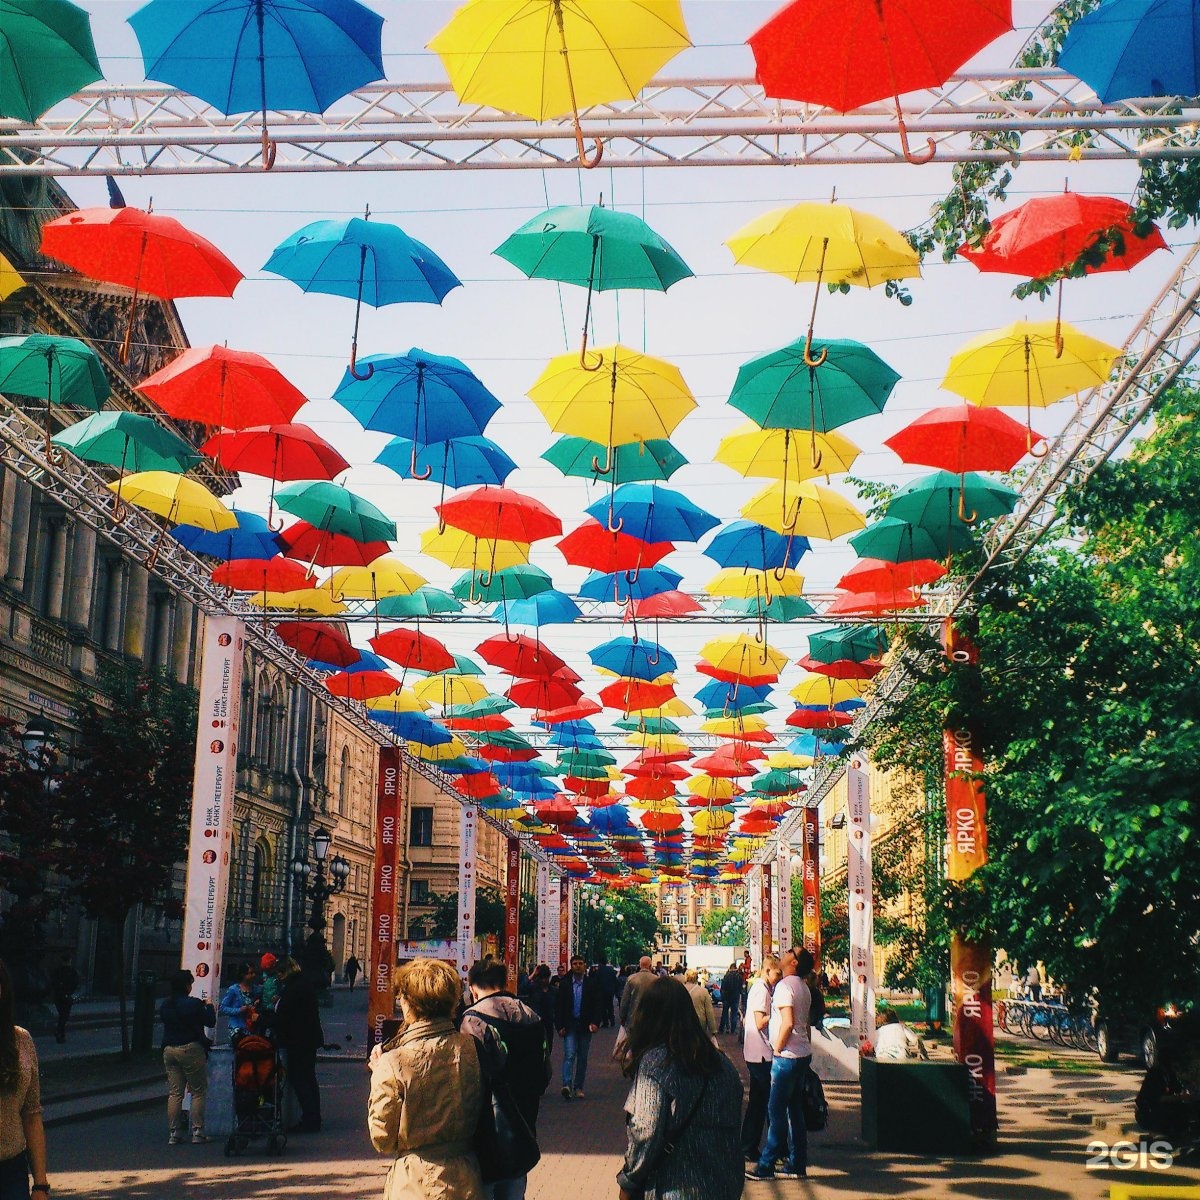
(621, 936)
(713, 931)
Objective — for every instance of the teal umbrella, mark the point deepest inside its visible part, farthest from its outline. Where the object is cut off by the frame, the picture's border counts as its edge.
(424, 602)
(513, 583)
(464, 664)
(854, 642)
(59, 370)
(648, 724)
(896, 541)
(46, 55)
(778, 608)
(944, 501)
(635, 462)
(489, 706)
(333, 509)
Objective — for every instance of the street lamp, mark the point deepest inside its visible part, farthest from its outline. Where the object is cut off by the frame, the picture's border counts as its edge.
(316, 957)
(37, 740)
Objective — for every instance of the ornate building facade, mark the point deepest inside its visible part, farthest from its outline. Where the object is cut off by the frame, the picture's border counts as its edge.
(681, 912)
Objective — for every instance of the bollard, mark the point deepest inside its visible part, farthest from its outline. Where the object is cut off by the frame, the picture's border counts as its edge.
(143, 1011)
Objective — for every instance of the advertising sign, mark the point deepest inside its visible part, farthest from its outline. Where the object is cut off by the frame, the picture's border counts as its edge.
(385, 882)
(861, 900)
(512, 912)
(810, 881)
(468, 838)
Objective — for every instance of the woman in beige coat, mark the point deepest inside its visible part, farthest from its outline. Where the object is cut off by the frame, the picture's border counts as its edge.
(426, 1092)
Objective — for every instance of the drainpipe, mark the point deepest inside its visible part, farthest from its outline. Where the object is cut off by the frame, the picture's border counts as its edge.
(298, 706)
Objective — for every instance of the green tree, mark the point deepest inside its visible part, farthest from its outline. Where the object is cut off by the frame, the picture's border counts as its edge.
(121, 813)
(725, 927)
(489, 914)
(621, 932)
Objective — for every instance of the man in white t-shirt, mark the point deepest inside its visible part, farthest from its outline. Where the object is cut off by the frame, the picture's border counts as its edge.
(788, 1032)
(756, 1050)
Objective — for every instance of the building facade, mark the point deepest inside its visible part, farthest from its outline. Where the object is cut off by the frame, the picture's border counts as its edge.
(681, 912)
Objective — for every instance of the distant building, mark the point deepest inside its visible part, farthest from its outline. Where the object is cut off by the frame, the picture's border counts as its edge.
(681, 912)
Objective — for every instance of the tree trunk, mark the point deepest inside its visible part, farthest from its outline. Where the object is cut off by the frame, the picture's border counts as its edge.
(121, 985)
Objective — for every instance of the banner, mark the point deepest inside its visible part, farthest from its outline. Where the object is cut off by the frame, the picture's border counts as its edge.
(543, 913)
(754, 916)
(768, 934)
(564, 925)
(512, 913)
(385, 882)
(468, 836)
(784, 892)
(970, 962)
(213, 784)
(810, 881)
(862, 902)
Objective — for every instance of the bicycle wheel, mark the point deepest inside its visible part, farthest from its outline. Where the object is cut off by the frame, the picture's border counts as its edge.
(1039, 1022)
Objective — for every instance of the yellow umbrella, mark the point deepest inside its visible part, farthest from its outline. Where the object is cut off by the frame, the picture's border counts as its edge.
(544, 58)
(820, 689)
(664, 743)
(825, 243)
(10, 278)
(707, 821)
(785, 760)
(628, 397)
(741, 653)
(748, 584)
(181, 500)
(814, 512)
(454, 748)
(404, 700)
(732, 726)
(773, 453)
(308, 600)
(464, 552)
(386, 576)
(447, 690)
(711, 788)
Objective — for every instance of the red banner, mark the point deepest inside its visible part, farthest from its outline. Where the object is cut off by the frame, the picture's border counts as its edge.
(385, 880)
(512, 909)
(810, 867)
(768, 934)
(970, 963)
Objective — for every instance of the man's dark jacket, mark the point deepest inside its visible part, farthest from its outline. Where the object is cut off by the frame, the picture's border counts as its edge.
(591, 1008)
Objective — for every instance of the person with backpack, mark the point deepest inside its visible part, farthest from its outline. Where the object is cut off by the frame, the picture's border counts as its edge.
(185, 1048)
(514, 1056)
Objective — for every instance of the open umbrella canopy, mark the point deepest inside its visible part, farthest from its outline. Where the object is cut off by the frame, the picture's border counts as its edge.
(747, 583)
(263, 575)
(128, 441)
(633, 659)
(775, 608)
(413, 650)
(180, 500)
(319, 641)
(519, 582)
(303, 600)
(896, 541)
(277, 452)
(809, 510)
(48, 52)
(595, 546)
(653, 514)
(450, 690)
(543, 695)
(521, 656)
(59, 370)
(757, 547)
(780, 454)
(731, 697)
(362, 685)
(249, 538)
(740, 658)
(549, 607)
(857, 642)
(618, 588)
(820, 689)
(456, 462)
(961, 438)
(383, 577)
(424, 602)
(463, 551)
(664, 605)
(334, 509)
(324, 548)
(498, 512)
(937, 502)
(877, 575)
(634, 462)
(875, 603)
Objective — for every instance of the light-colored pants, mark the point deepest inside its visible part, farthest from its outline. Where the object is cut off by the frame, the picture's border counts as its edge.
(186, 1067)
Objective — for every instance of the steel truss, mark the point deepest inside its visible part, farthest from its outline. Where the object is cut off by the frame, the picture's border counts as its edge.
(1030, 114)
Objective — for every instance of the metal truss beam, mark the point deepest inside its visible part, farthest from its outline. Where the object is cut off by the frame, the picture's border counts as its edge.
(1028, 114)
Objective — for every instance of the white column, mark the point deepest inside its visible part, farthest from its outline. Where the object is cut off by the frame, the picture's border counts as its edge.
(754, 915)
(862, 908)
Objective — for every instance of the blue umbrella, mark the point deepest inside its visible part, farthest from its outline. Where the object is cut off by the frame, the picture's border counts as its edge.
(247, 55)
(653, 514)
(756, 547)
(458, 462)
(412, 727)
(619, 588)
(551, 607)
(1130, 48)
(633, 660)
(613, 818)
(426, 397)
(251, 539)
(370, 262)
(731, 697)
(814, 747)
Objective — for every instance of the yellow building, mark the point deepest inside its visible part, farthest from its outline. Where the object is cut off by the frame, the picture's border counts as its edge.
(681, 912)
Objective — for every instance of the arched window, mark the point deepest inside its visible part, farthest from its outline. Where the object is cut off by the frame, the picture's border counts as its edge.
(342, 798)
(277, 755)
(246, 717)
(259, 899)
(262, 721)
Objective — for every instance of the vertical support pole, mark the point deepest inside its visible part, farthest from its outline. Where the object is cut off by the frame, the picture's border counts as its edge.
(544, 916)
(768, 932)
(512, 912)
(784, 891)
(564, 924)
(862, 902)
(970, 962)
(754, 917)
(385, 875)
(810, 880)
(468, 835)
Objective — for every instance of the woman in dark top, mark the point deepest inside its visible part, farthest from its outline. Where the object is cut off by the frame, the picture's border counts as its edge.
(185, 1055)
(684, 1110)
(297, 1027)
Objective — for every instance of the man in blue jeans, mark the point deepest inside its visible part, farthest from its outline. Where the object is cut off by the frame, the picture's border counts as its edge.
(578, 1009)
(789, 1036)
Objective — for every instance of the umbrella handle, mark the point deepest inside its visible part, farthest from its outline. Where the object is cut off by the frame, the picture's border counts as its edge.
(127, 340)
(597, 469)
(1058, 337)
(584, 161)
(916, 159)
(269, 149)
(609, 524)
(809, 360)
(965, 517)
(370, 372)
(412, 465)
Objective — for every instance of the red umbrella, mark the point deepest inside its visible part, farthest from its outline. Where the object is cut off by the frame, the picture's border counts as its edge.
(362, 685)
(963, 438)
(848, 53)
(650, 789)
(558, 811)
(666, 604)
(661, 822)
(145, 251)
(571, 712)
(843, 668)
(876, 575)
(323, 549)
(521, 655)
(493, 723)
(874, 603)
(818, 718)
(477, 787)
(214, 385)
(630, 695)
(592, 545)
(507, 754)
(543, 694)
(724, 768)
(318, 640)
(593, 789)
(749, 675)
(749, 735)
(413, 650)
(499, 512)
(654, 767)
(263, 575)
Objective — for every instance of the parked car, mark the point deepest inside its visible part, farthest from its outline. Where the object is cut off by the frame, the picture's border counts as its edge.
(1142, 1037)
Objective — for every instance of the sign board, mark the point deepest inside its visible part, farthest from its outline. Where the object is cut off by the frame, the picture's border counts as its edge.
(861, 900)
(468, 838)
(385, 882)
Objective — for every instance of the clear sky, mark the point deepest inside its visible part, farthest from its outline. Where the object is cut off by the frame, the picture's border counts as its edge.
(506, 327)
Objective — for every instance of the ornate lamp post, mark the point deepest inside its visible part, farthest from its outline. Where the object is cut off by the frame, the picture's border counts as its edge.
(319, 883)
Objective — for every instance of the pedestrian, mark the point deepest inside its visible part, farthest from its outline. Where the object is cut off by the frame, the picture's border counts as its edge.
(297, 1026)
(757, 1053)
(577, 1013)
(816, 1014)
(681, 1117)
(541, 1000)
(701, 1002)
(608, 990)
(241, 1002)
(185, 1047)
(792, 1055)
(427, 1092)
(269, 987)
(1033, 982)
(352, 969)
(63, 982)
(894, 1041)
(731, 999)
(22, 1135)
(514, 1055)
(635, 986)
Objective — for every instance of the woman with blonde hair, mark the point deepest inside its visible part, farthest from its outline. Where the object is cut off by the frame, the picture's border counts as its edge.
(427, 1092)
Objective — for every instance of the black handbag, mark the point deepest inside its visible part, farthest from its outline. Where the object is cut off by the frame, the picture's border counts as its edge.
(816, 1110)
(504, 1143)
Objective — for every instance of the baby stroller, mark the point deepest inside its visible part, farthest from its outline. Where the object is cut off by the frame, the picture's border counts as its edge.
(257, 1095)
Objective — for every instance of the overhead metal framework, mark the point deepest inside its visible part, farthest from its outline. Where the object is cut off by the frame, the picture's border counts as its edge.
(1025, 114)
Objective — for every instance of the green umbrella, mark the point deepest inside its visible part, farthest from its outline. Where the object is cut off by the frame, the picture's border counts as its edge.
(489, 706)
(654, 725)
(333, 509)
(46, 55)
(463, 665)
(778, 608)
(424, 602)
(588, 758)
(595, 248)
(854, 642)
(776, 782)
(743, 710)
(59, 370)
(128, 441)
(635, 462)
(896, 541)
(944, 501)
(513, 583)
(505, 738)
(583, 770)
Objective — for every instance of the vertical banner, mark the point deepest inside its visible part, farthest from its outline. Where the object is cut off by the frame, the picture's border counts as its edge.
(970, 962)
(543, 913)
(385, 880)
(468, 836)
(784, 892)
(768, 934)
(564, 925)
(212, 803)
(512, 912)
(862, 903)
(810, 881)
(754, 916)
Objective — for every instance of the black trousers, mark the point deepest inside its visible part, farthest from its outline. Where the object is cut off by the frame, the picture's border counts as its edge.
(756, 1108)
(14, 1178)
(63, 1004)
(302, 1076)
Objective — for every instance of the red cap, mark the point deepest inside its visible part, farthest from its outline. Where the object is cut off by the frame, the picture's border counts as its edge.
(267, 961)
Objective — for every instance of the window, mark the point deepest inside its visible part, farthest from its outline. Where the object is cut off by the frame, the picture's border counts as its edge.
(342, 800)
(277, 744)
(421, 832)
(258, 872)
(418, 891)
(262, 721)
